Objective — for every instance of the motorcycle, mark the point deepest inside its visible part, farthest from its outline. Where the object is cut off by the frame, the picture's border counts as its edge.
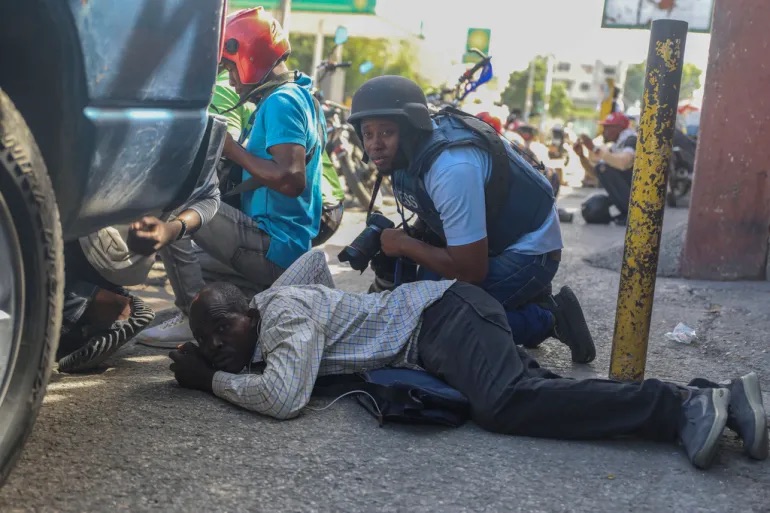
(344, 147)
(453, 97)
(681, 168)
(346, 152)
(557, 147)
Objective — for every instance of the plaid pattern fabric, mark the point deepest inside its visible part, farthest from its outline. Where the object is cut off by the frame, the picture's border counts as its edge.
(310, 329)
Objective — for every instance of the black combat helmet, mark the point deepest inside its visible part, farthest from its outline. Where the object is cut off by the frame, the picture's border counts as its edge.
(391, 95)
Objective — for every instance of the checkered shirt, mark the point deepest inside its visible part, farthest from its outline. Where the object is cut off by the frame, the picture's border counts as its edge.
(310, 329)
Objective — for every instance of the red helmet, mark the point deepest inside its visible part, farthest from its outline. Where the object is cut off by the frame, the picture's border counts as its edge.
(616, 119)
(255, 42)
(491, 120)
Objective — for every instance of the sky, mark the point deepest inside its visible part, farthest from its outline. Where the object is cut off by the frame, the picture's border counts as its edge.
(521, 29)
(569, 29)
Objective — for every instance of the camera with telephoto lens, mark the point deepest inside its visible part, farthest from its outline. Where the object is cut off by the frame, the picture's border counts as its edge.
(367, 244)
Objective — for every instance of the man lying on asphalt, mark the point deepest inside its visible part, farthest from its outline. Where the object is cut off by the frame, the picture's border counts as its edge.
(303, 328)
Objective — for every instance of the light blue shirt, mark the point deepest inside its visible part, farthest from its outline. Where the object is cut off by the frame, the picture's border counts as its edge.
(455, 183)
(287, 116)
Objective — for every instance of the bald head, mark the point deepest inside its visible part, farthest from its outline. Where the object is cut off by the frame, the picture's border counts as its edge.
(216, 300)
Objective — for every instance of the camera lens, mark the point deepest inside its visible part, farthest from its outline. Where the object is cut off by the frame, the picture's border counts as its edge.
(357, 260)
(367, 244)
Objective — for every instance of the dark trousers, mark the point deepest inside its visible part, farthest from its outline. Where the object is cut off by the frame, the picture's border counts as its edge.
(517, 281)
(465, 340)
(81, 282)
(617, 183)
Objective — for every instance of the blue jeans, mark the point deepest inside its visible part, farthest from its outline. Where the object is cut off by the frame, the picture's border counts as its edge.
(515, 280)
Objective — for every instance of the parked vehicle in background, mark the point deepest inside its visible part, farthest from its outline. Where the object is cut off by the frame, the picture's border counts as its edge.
(681, 168)
(103, 119)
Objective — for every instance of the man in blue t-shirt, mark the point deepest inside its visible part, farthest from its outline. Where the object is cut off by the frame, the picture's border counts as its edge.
(281, 201)
(442, 170)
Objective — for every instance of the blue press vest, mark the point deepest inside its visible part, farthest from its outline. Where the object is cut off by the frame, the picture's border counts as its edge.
(529, 200)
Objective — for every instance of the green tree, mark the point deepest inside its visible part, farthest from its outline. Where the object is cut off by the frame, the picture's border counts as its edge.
(561, 104)
(387, 57)
(690, 81)
(302, 46)
(634, 85)
(515, 94)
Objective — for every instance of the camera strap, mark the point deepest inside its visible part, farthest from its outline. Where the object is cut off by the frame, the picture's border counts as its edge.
(374, 195)
(398, 276)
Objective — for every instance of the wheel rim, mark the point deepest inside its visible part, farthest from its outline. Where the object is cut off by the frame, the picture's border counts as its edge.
(11, 295)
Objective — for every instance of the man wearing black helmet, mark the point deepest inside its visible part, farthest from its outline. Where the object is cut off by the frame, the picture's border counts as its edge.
(493, 212)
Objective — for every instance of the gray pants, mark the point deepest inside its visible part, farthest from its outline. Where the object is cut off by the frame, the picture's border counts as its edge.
(230, 247)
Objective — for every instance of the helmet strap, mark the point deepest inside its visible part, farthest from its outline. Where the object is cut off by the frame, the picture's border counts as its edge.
(264, 89)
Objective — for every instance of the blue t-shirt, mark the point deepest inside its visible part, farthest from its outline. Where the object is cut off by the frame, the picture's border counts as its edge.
(455, 183)
(287, 116)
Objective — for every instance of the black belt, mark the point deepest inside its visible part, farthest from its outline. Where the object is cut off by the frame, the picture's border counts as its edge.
(554, 255)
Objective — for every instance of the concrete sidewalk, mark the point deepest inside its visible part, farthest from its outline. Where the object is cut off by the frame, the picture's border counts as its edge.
(129, 439)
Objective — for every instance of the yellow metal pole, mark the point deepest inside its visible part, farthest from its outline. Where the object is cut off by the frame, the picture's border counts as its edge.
(648, 191)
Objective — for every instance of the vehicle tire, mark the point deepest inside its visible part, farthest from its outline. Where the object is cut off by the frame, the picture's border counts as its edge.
(31, 282)
(356, 188)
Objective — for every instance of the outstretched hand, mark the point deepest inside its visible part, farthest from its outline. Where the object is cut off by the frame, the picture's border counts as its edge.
(578, 147)
(150, 234)
(587, 142)
(190, 369)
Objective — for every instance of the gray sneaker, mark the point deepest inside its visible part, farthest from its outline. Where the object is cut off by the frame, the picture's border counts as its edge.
(704, 416)
(746, 415)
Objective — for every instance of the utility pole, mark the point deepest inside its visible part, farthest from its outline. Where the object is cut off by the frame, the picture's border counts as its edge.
(283, 15)
(337, 79)
(318, 50)
(530, 86)
(636, 292)
(547, 91)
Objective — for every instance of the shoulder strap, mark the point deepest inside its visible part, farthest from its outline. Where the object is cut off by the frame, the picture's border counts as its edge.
(496, 190)
(253, 183)
(264, 90)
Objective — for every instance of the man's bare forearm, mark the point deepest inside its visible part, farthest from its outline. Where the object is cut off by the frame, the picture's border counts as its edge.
(268, 172)
(622, 161)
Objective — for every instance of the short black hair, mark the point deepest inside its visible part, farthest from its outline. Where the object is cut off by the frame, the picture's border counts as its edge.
(226, 296)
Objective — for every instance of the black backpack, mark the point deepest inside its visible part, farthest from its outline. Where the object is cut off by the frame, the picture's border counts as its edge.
(400, 395)
(596, 209)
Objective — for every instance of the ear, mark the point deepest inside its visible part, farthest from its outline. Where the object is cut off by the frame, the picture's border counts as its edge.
(254, 316)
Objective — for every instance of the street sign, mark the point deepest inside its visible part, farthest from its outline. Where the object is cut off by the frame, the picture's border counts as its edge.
(477, 38)
(639, 14)
(325, 6)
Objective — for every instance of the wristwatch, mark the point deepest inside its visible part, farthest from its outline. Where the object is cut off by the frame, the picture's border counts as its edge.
(183, 231)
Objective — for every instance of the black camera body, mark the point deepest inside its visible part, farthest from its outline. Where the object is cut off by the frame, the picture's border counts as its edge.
(387, 274)
(361, 251)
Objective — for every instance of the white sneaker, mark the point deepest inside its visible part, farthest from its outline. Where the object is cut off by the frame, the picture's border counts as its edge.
(167, 335)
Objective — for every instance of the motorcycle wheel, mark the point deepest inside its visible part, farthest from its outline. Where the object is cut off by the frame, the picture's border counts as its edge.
(678, 186)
